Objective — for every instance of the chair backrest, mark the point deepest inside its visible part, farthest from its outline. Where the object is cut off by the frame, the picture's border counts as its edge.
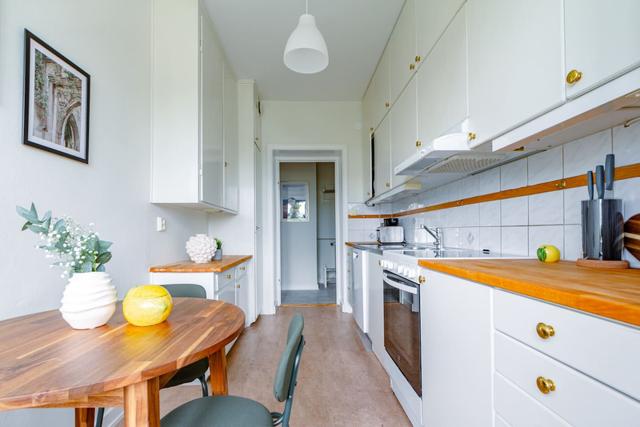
(287, 372)
(186, 290)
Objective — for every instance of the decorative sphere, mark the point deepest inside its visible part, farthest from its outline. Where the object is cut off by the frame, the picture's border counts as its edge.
(201, 248)
(147, 305)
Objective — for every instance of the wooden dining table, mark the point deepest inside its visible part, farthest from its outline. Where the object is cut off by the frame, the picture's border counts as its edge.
(46, 364)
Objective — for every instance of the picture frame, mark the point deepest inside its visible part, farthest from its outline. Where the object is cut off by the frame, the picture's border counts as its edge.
(295, 201)
(56, 101)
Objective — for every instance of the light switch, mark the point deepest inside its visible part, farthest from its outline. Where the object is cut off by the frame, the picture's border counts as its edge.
(161, 224)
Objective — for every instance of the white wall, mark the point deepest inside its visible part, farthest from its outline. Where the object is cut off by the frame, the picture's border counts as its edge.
(299, 256)
(318, 124)
(111, 41)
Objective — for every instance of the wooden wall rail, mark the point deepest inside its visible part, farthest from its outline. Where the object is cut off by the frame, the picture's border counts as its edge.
(622, 172)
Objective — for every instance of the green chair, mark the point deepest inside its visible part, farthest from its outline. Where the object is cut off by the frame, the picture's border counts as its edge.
(233, 411)
(189, 373)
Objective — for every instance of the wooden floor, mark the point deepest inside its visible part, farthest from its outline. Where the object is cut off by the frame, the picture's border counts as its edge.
(339, 383)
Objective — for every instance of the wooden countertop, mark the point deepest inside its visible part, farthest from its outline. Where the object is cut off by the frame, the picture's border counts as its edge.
(227, 262)
(614, 294)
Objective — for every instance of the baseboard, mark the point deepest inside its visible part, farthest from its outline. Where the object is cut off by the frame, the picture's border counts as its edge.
(309, 287)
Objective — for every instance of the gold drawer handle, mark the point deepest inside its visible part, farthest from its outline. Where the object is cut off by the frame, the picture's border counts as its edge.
(418, 58)
(471, 136)
(412, 66)
(228, 276)
(545, 331)
(418, 143)
(243, 268)
(573, 76)
(386, 104)
(545, 385)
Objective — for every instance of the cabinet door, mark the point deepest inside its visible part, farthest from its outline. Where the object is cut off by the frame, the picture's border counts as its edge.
(242, 291)
(382, 158)
(402, 50)
(403, 129)
(376, 310)
(377, 96)
(211, 93)
(442, 83)
(230, 116)
(432, 17)
(602, 41)
(456, 331)
(515, 63)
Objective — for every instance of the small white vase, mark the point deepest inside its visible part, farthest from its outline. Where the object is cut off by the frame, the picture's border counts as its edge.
(89, 300)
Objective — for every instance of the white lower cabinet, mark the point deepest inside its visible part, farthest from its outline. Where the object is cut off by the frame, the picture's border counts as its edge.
(376, 310)
(456, 352)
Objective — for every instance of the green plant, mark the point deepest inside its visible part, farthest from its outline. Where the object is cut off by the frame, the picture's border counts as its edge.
(78, 249)
(218, 243)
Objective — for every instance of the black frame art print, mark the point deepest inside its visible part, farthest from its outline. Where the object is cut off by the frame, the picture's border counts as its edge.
(56, 101)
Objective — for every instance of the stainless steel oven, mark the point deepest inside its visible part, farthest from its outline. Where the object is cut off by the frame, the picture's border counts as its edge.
(402, 326)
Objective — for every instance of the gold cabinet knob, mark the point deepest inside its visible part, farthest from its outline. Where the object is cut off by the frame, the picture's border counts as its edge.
(471, 136)
(418, 143)
(573, 76)
(422, 280)
(387, 185)
(412, 66)
(545, 331)
(228, 276)
(545, 385)
(418, 58)
(386, 104)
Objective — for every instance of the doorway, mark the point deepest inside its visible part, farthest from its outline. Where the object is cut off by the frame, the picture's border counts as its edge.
(307, 233)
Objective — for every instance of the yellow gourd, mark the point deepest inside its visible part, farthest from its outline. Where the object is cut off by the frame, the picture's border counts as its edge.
(147, 305)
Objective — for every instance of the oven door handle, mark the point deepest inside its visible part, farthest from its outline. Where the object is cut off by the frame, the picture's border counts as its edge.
(399, 285)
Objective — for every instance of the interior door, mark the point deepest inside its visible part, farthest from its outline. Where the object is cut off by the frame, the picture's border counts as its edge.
(211, 93)
(515, 63)
(602, 40)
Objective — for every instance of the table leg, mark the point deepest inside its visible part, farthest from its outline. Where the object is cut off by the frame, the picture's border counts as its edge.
(218, 372)
(85, 417)
(142, 404)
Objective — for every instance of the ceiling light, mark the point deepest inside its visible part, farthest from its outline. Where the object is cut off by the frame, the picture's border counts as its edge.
(306, 51)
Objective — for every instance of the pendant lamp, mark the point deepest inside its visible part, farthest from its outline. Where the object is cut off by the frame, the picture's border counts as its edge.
(306, 50)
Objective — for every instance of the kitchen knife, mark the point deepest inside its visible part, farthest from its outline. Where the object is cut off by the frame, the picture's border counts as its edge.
(609, 171)
(600, 181)
(590, 184)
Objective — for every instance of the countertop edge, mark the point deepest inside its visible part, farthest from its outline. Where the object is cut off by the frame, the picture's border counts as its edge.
(183, 266)
(591, 303)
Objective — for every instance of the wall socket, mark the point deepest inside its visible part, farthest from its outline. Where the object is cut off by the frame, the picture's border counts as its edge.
(161, 224)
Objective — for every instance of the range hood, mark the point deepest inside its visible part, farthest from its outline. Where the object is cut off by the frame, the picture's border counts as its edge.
(398, 192)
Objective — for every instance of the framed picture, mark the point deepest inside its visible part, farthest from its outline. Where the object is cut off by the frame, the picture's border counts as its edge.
(56, 101)
(295, 201)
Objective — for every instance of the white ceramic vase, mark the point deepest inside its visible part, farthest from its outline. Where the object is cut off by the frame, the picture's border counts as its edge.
(201, 248)
(89, 300)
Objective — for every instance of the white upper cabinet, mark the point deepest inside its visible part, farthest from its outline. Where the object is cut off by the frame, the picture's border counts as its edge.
(403, 130)
(231, 149)
(432, 17)
(402, 50)
(442, 83)
(382, 158)
(516, 63)
(602, 41)
(211, 98)
(376, 100)
(194, 128)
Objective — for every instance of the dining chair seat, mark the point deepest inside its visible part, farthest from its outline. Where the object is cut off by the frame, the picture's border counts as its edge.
(219, 411)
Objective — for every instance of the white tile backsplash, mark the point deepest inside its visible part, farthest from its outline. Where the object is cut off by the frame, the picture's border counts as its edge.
(572, 204)
(546, 208)
(585, 153)
(626, 144)
(545, 166)
(489, 238)
(489, 213)
(469, 238)
(572, 242)
(514, 211)
(515, 241)
(546, 235)
(513, 175)
(629, 191)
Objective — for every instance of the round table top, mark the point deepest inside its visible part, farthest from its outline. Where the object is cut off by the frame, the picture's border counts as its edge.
(43, 361)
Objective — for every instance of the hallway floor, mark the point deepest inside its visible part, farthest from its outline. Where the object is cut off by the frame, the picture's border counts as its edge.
(339, 382)
(321, 296)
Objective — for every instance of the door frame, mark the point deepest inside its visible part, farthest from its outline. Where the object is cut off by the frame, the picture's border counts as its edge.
(277, 154)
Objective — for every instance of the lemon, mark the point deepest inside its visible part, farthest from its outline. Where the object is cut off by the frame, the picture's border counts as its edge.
(147, 305)
(548, 253)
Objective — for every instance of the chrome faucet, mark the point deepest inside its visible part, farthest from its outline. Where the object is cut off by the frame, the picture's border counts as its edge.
(435, 233)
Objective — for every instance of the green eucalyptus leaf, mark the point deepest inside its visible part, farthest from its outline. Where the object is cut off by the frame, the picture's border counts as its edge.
(37, 229)
(103, 245)
(103, 258)
(27, 214)
(33, 210)
(26, 226)
(100, 267)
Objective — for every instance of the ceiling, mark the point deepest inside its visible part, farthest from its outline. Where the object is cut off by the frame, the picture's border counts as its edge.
(253, 34)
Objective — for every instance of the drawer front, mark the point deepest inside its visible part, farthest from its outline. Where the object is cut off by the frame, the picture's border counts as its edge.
(578, 399)
(515, 408)
(607, 351)
(241, 270)
(224, 278)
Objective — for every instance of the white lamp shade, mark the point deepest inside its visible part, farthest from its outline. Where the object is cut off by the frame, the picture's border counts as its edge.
(306, 50)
